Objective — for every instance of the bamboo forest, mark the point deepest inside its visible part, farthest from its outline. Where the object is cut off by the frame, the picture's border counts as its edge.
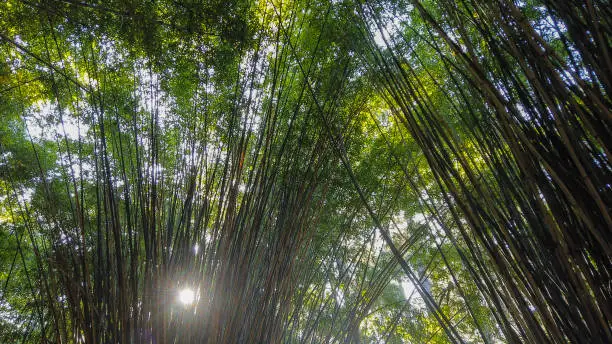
(305, 171)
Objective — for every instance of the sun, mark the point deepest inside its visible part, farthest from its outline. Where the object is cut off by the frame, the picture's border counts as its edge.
(186, 296)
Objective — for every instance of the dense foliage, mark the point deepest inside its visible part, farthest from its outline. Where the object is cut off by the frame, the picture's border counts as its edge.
(411, 171)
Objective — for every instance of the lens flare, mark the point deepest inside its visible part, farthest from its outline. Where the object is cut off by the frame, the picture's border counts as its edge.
(186, 296)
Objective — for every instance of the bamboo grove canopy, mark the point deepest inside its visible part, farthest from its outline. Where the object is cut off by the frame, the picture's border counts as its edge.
(268, 171)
